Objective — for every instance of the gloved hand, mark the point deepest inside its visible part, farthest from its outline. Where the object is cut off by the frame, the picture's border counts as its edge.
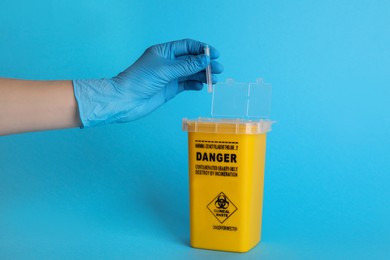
(163, 71)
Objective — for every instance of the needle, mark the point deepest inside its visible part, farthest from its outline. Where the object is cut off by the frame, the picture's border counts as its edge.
(208, 71)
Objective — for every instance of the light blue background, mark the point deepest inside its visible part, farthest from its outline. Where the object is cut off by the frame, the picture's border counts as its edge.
(120, 191)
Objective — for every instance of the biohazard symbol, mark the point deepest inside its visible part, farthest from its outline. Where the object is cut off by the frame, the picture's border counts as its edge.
(221, 207)
(222, 202)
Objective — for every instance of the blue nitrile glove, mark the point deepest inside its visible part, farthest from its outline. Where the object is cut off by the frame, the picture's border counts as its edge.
(161, 73)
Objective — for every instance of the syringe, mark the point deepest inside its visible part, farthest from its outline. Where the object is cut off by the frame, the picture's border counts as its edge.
(208, 71)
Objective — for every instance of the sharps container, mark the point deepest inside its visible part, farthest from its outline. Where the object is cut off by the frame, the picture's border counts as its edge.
(226, 167)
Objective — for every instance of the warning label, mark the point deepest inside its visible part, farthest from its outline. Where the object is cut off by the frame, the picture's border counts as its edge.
(221, 207)
(212, 170)
(222, 155)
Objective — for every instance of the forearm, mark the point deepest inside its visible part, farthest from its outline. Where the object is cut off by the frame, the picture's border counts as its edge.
(27, 106)
(162, 72)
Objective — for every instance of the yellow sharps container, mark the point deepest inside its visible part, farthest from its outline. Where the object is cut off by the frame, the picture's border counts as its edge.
(226, 167)
(226, 175)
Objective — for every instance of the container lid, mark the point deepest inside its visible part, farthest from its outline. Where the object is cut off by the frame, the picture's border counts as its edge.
(227, 126)
(241, 100)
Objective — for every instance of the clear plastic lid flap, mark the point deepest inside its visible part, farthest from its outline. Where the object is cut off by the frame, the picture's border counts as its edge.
(241, 100)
